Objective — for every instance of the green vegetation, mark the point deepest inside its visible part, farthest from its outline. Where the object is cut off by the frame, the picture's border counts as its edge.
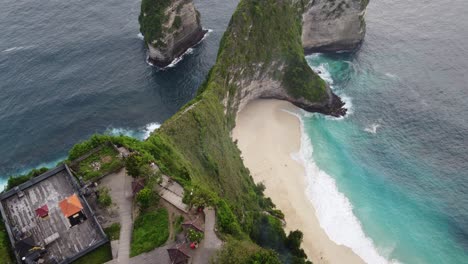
(146, 197)
(194, 236)
(6, 254)
(195, 145)
(150, 230)
(104, 198)
(243, 252)
(14, 181)
(99, 255)
(177, 22)
(273, 48)
(102, 162)
(268, 232)
(113, 231)
(138, 165)
(152, 18)
(177, 223)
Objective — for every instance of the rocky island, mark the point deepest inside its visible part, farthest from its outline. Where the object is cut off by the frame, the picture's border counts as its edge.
(169, 27)
(333, 25)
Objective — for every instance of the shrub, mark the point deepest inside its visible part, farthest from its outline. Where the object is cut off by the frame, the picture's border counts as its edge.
(226, 220)
(14, 181)
(245, 252)
(145, 197)
(194, 236)
(133, 164)
(104, 198)
(177, 22)
(102, 254)
(113, 231)
(6, 254)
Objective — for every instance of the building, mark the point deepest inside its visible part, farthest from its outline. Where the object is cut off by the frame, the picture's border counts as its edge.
(48, 218)
(72, 210)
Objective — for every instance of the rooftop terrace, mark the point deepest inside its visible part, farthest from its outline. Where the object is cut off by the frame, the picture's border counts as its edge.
(18, 208)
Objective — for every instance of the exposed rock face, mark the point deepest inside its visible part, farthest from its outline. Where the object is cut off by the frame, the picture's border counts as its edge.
(261, 56)
(264, 87)
(333, 25)
(172, 31)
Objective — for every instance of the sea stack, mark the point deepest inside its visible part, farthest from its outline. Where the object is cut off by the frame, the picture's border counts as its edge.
(333, 25)
(169, 27)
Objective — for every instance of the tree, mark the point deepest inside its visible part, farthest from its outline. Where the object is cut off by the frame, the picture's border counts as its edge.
(145, 196)
(293, 242)
(133, 164)
(104, 198)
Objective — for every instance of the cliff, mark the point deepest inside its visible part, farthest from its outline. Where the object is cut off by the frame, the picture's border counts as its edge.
(260, 56)
(333, 25)
(169, 27)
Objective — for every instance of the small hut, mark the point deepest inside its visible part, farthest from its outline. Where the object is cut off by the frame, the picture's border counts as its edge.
(179, 254)
(72, 210)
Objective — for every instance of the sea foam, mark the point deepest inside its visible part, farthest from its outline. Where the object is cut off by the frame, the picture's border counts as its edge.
(181, 57)
(372, 128)
(323, 71)
(13, 49)
(333, 209)
(141, 134)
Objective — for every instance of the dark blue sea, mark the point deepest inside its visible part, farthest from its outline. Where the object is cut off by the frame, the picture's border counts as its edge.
(69, 69)
(392, 176)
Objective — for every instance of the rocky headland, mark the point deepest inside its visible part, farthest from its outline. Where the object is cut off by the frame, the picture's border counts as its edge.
(333, 25)
(169, 27)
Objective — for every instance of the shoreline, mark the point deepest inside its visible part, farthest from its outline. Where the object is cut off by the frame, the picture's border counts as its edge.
(267, 136)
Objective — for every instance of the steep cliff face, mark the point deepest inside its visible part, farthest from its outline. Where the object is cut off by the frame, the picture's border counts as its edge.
(170, 27)
(261, 56)
(333, 25)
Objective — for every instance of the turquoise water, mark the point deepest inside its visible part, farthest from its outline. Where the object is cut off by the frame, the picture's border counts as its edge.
(413, 210)
(393, 174)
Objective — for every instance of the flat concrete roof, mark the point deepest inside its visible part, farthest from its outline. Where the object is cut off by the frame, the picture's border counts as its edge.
(50, 188)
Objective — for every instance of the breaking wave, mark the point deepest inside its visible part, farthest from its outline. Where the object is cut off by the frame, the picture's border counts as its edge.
(334, 210)
(141, 134)
(181, 57)
(372, 128)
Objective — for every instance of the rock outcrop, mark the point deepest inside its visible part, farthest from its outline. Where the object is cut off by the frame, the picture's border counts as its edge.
(333, 25)
(261, 56)
(265, 87)
(170, 27)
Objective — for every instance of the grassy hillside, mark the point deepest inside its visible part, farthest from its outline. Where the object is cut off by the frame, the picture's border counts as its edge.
(195, 144)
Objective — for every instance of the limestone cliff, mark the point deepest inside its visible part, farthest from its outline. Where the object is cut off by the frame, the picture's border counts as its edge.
(333, 25)
(170, 27)
(261, 56)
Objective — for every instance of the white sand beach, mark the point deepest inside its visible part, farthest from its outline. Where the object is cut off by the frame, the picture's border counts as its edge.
(267, 136)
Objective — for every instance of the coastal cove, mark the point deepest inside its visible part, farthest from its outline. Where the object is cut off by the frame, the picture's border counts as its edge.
(268, 133)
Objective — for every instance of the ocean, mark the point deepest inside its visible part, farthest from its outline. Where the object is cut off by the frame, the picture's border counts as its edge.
(389, 180)
(72, 69)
